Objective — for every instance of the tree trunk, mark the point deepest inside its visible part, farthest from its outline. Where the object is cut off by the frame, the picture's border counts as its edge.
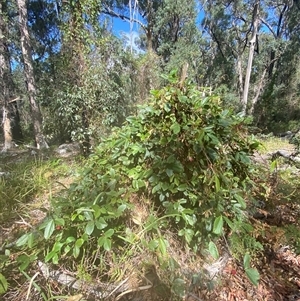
(240, 76)
(29, 75)
(259, 88)
(252, 42)
(16, 129)
(277, 36)
(5, 76)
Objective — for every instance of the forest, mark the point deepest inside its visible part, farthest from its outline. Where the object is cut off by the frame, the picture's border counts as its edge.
(149, 150)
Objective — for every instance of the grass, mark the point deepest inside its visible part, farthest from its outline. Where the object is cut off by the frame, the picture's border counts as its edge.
(27, 179)
(32, 180)
(273, 144)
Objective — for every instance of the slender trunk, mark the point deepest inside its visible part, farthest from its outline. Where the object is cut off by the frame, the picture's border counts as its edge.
(240, 76)
(79, 61)
(16, 119)
(259, 88)
(5, 76)
(278, 35)
(6, 123)
(252, 42)
(29, 75)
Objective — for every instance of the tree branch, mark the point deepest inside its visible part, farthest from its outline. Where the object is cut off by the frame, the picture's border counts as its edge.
(112, 13)
(268, 25)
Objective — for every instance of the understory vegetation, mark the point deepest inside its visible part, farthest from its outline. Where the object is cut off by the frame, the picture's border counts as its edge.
(149, 150)
(169, 192)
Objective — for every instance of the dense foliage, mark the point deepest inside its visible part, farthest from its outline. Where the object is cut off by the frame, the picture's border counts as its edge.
(182, 153)
(66, 75)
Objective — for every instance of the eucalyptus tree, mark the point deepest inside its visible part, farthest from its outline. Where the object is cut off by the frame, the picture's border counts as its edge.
(249, 39)
(29, 75)
(280, 101)
(168, 27)
(92, 79)
(252, 43)
(141, 12)
(228, 24)
(8, 99)
(176, 34)
(5, 78)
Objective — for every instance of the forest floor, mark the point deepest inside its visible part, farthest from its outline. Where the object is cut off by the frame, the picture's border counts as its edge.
(277, 224)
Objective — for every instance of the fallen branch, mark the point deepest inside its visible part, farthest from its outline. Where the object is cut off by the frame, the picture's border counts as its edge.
(97, 290)
(293, 157)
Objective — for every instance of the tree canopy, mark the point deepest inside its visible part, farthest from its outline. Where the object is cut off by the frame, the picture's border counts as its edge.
(86, 78)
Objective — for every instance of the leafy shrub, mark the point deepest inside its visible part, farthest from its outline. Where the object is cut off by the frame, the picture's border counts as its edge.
(182, 152)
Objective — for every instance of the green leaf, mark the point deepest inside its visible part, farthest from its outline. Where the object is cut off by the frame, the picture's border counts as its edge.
(273, 165)
(30, 242)
(107, 244)
(109, 232)
(22, 240)
(191, 219)
(50, 227)
(247, 259)
(79, 242)
(217, 183)
(90, 226)
(101, 223)
(169, 172)
(188, 235)
(253, 276)
(240, 201)
(162, 246)
(67, 249)
(24, 261)
(100, 241)
(175, 127)
(50, 255)
(229, 223)
(156, 188)
(178, 287)
(218, 225)
(76, 251)
(70, 239)
(3, 284)
(213, 250)
(121, 208)
(153, 244)
(55, 259)
(97, 210)
(182, 187)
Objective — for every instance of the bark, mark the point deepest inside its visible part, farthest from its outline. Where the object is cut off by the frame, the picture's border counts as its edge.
(77, 44)
(252, 42)
(240, 76)
(29, 75)
(278, 35)
(16, 129)
(259, 88)
(5, 75)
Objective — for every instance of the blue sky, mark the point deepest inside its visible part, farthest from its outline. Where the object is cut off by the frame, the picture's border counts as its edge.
(127, 31)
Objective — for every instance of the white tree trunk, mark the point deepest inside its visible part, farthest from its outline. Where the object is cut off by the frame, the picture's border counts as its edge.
(252, 42)
(240, 76)
(4, 81)
(29, 74)
(258, 89)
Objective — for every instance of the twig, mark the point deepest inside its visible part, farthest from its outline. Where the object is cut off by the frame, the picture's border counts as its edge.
(15, 99)
(24, 222)
(117, 287)
(140, 288)
(30, 284)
